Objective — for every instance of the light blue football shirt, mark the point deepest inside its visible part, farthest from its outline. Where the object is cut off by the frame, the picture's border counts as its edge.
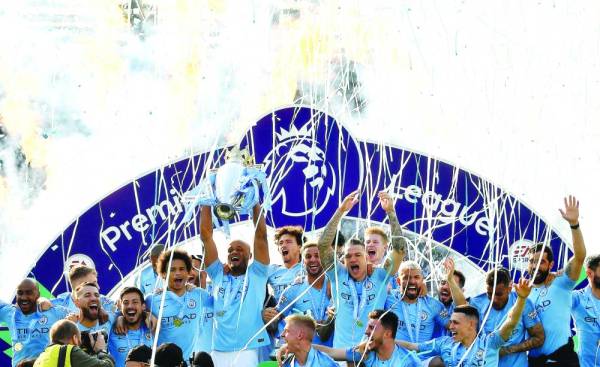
(304, 299)
(29, 333)
(586, 312)
(353, 301)
(238, 305)
(204, 343)
(314, 358)
(416, 321)
(180, 317)
(446, 313)
(400, 357)
(552, 304)
(148, 281)
(529, 318)
(120, 345)
(483, 352)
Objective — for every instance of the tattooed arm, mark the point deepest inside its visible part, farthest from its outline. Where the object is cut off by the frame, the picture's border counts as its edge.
(536, 339)
(328, 236)
(398, 242)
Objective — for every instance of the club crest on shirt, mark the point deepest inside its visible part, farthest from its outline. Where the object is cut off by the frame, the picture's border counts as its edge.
(424, 316)
(543, 292)
(480, 353)
(368, 285)
(444, 313)
(43, 320)
(191, 303)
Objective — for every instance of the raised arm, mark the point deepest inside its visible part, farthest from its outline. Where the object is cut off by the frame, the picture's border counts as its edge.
(458, 297)
(325, 250)
(398, 242)
(571, 215)
(514, 315)
(261, 244)
(206, 235)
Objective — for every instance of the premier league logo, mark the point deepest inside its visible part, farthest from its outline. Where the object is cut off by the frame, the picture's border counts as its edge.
(306, 161)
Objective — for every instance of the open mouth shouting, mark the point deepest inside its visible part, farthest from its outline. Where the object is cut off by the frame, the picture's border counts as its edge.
(412, 291)
(179, 282)
(131, 315)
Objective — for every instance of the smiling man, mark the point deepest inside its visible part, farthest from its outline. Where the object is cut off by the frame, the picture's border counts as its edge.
(29, 328)
(419, 315)
(239, 330)
(90, 308)
(133, 310)
(182, 309)
(79, 275)
(552, 294)
(355, 292)
(311, 296)
(466, 346)
(379, 349)
(298, 334)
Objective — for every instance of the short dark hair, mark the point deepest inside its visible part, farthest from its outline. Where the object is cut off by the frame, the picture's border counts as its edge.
(169, 355)
(202, 359)
(141, 353)
(355, 242)
(62, 331)
(388, 320)
(592, 262)
(500, 275)
(468, 310)
(295, 231)
(78, 272)
(128, 290)
(546, 248)
(165, 258)
(461, 278)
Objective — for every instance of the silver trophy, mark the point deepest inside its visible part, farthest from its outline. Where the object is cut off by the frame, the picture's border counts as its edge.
(232, 188)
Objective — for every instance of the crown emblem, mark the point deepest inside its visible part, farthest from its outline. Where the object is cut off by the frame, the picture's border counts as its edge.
(305, 132)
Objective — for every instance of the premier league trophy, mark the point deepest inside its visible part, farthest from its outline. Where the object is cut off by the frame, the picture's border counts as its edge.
(232, 188)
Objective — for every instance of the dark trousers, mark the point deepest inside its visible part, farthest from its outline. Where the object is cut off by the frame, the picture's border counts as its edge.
(564, 356)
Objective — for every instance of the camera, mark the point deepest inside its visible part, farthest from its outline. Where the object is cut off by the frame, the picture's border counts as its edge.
(86, 344)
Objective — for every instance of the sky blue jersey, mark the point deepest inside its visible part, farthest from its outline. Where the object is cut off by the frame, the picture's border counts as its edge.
(238, 305)
(307, 300)
(179, 321)
(29, 333)
(353, 301)
(148, 281)
(204, 343)
(551, 304)
(400, 357)
(586, 312)
(446, 313)
(120, 345)
(416, 321)
(315, 358)
(483, 352)
(529, 318)
(280, 278)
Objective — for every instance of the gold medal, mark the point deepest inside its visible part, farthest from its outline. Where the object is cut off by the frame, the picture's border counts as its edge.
(359, 323)
(18, 347)
(177, 322)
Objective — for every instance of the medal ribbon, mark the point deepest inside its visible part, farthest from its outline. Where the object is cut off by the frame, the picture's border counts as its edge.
(359, 303)
(403, 306)
(319, 312)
